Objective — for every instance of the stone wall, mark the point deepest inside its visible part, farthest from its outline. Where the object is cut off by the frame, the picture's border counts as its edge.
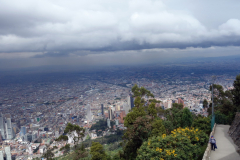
(208, 149)
(234, 130)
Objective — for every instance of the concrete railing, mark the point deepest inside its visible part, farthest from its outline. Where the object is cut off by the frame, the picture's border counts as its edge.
(208, 149)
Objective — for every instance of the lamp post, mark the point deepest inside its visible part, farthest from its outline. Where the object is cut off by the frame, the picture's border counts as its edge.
(213, 116)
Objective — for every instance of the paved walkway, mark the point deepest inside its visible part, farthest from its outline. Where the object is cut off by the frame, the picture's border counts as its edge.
(226, 148)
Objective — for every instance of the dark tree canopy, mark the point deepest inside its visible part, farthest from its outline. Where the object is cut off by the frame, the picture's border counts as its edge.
(236, 92)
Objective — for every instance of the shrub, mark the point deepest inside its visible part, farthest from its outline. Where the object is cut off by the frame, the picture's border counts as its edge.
(180, 144)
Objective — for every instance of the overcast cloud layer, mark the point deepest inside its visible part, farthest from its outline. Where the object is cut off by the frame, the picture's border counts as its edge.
(63, 28)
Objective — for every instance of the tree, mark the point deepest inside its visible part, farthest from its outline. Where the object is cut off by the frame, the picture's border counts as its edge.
(186, 118)
(97, 151)
(182, 143)
(203, 123)
(140, 92)
(205, 103)
(224, 103)
(158, 128)
(236, 92)
(135, 135)
(80, 153)
(175, 116)
(133, 115)
(62, 138)
(48, 154)
(168, 126)
(152, 110)
(178, 106)
(65, 148)
(75, 131)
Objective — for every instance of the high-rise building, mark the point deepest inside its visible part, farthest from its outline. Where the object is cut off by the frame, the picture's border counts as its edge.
(1, 155)
(89, 113)
(180, 101)
(122, 115)
(2, 126)
(23, 130)
(108, 123)
(117, 108)
(126, 108)
(8, 153)
(0, 139)
(130, 101)
(116, 122)
(102, 109)
(9, 130)
(110, 115)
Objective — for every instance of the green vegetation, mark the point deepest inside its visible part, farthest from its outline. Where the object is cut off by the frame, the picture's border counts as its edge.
(226, 103)
(98, 152)
(182, 143)
(205, 103)
(48, 154)
(236, 93)
(100, 126)
(179, 135)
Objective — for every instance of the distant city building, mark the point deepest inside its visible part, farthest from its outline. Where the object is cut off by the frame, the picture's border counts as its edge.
(56, 134)
(122, 115)
(8, 153)
(9, 130)
(117, 108)
(116, 122)
(180, 101)
(126, 108)
(2, 126)
(28, 137)
(108, 123)
(1, 155)
(23, 130)
(89, 113)
(1, 139)
(130, 101)
(110, 114)
(102, 109)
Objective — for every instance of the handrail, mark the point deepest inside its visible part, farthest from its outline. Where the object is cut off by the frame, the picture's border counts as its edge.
(208, 149)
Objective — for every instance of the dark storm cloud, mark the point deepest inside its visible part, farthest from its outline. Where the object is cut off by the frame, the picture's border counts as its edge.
(61, 31)
(98, 25)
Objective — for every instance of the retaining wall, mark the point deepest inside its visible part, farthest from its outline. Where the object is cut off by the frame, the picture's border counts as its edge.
(208, 149)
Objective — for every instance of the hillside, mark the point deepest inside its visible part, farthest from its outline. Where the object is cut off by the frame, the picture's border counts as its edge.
(234, 130)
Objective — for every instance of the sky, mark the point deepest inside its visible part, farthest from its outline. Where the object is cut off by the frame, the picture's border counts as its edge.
(111, 32)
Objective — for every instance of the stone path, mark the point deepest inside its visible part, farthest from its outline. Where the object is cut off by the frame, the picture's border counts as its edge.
(226, 148)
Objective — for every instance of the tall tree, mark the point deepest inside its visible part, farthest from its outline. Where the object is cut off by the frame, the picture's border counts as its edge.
(158, 128)
(187, 118)
(205, 103)
(236, 92)
(135, 135)
(97, 151)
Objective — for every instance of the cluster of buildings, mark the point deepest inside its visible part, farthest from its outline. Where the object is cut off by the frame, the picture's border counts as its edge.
(36, 112)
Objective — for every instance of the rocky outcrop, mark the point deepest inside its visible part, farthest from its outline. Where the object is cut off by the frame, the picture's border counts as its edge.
(234, 130)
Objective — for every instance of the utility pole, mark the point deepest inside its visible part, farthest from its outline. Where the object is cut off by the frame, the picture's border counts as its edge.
(213, 116)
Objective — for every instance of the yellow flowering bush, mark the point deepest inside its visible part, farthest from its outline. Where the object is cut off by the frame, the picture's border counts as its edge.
(182, 143)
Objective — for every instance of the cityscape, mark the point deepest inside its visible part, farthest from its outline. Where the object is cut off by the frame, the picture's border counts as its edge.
(119, 80)
(36, 108)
